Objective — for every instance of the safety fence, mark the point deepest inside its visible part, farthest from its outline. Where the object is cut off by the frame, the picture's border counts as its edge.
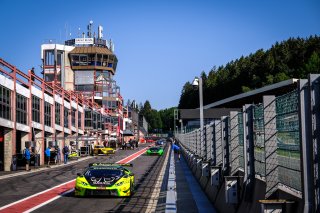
(276, 141)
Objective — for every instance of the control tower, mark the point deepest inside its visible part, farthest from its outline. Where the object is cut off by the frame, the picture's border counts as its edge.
(86, 65)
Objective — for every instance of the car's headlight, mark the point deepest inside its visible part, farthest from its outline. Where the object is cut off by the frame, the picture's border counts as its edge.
(120, 183)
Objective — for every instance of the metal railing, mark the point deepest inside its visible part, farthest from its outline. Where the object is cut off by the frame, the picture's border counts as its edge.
(279, 125)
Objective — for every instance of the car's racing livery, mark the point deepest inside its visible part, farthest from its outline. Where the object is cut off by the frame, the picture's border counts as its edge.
(155, 150)
(73, 155)
(105, 179)
(100, 149)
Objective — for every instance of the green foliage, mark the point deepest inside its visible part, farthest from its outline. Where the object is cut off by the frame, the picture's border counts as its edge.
(159, 121)
(167, 116)
(313, 65)
(293, 58)
(281, 76)
(245, 89)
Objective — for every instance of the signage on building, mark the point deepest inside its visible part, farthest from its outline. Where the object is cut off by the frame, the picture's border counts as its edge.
(84, 41)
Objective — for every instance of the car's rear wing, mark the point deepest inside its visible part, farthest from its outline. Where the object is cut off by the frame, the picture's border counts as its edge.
(111, 164)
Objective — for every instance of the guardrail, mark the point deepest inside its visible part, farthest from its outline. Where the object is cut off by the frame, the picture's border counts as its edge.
(276, 142)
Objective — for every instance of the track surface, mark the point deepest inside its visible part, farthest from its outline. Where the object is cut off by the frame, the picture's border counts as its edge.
(145, 169)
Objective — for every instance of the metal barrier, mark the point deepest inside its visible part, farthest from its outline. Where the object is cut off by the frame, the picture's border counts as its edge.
(288, 139)
(258, 137)
(269, 141)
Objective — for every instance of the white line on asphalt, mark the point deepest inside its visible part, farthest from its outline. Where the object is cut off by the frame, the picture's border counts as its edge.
(152, 205)
(171, 199)
(48, 201)
(138, 155)
(39, 193)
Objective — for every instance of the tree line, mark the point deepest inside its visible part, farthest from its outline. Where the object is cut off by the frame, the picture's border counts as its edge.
(158, 121)
(293, 58)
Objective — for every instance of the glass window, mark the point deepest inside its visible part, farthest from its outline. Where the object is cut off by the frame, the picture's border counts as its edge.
(99, 121)
(59, 58)
(75, 60)
(73, 117)
(94, 120)
(49, 57)
(49, 77)
(88, 118)
(35, 109)
(5, 103)
(99, 59)
(79, 120)
(21, 106)
(47, 114)
(83, 60)
(57, 113)
(91, 59)
(66, 117)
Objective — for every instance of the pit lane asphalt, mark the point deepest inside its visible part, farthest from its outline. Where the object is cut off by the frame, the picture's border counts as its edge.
(19, 187)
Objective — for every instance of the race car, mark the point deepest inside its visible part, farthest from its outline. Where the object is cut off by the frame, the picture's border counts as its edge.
(105, 179)
(100, 149)
(156, 150)
(73, 155)
(160, 142)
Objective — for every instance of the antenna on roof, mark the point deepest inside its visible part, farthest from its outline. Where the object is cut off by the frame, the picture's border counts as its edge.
(100, 30)
(90, 29)
(66, 30)
(111, 45)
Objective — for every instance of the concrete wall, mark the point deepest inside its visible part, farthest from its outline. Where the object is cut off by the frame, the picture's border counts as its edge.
(248, 196)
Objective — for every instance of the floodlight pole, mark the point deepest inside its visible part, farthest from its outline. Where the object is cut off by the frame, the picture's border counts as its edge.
(201, 114)
(197, 82)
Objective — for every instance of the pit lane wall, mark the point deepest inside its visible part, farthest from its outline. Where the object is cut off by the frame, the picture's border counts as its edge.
(261, 159)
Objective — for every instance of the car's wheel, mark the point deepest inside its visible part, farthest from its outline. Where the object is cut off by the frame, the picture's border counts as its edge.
(131, 188)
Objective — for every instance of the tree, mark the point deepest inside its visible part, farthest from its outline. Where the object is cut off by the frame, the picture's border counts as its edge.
(166, 116)
(281, 76)
(313, 65)
(293, 58)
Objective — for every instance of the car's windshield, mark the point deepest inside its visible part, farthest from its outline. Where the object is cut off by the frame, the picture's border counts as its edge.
(103, 173)
(155, 149)
(99, 146)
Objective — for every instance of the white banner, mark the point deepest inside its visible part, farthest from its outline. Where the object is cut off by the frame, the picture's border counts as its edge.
(84, 41)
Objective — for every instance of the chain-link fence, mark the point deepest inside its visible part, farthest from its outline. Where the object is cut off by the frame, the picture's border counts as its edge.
(258, 140)
(240, 138)
(288, 139)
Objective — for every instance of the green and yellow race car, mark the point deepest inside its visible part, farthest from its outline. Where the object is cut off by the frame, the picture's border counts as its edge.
(105, 179)
(156, 150)
(73, 155)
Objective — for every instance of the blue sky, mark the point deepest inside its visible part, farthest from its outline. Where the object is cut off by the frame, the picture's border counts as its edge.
(160, 44)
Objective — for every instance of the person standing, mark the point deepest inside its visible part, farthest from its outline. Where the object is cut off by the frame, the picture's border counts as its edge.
(65, 153)
(47, 153)
(176, 149)
(131, 144)
(58, 155)
(27, 155)
(124, 145)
